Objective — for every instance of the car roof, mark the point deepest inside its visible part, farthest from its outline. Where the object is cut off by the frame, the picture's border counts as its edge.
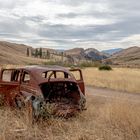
(36, 68)
(40, 69)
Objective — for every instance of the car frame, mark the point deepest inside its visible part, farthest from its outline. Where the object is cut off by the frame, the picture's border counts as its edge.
(34, 86)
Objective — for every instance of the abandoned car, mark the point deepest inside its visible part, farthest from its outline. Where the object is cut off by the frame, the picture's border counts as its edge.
(37, 86)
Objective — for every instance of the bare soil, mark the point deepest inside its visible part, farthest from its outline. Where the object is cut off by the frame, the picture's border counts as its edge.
(109, 94)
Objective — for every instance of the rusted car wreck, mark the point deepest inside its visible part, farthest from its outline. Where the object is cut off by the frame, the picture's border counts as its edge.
(36, 86)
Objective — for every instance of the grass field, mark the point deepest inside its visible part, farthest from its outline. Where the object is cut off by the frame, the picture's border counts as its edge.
(124, 79)
(103, 121)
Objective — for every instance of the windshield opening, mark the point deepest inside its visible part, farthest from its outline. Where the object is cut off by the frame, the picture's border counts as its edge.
(55, 74)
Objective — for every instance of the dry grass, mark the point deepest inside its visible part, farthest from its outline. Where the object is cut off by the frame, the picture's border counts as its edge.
(103, 121)
(124, 79)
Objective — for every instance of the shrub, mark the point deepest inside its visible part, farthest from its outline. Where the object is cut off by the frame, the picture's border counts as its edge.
(105, 67)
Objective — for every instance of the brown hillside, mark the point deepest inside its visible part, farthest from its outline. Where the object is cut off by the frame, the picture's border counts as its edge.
(130, 56)
(75, 51)
(13, 47)
(12, 53)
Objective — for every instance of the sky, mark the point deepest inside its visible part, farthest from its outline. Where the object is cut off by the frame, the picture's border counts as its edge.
(66, 24)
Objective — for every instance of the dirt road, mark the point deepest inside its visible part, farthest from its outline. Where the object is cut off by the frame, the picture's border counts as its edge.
(112, 94)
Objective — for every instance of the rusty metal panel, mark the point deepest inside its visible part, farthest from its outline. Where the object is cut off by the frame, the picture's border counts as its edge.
(27, 85)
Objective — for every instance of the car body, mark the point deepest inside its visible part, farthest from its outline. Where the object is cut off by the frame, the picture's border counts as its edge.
(36, 85)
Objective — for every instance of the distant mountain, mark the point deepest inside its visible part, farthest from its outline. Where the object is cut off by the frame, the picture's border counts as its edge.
(129, 56)
(75, 53)
(88, 54)
(60, 50)
(94, 54)
(112, 51)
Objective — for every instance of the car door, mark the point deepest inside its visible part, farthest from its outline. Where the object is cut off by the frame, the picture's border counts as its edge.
(9, 85)
(77, 73)
(26, 88)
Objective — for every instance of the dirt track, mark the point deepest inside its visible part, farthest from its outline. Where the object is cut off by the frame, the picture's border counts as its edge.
(112, 94)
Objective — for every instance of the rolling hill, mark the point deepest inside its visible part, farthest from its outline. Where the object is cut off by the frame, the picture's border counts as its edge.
(128, 57)
(87, 54)
(112, 51)
(94, 54)
(12, 53)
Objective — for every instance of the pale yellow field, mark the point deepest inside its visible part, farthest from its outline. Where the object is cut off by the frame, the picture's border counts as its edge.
(124, 79)
(104, 119)
(101, 121)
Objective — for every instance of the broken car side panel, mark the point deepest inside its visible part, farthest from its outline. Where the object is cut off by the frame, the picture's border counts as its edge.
(9, 87)
(53, 85)
(80, 80)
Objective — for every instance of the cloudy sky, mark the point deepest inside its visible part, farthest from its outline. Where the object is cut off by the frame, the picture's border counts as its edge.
(64, 24)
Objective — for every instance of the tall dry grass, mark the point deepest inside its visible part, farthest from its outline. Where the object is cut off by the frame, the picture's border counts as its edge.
(103, 121)
(124, 79)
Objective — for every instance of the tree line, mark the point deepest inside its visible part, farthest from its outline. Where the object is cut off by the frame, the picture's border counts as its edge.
(40, 53)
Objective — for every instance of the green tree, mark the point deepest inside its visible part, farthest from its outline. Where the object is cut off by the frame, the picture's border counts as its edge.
(28, 52)
(40, 52)
(32, 52)
(62, 56)
(48, 54)
(36, 52)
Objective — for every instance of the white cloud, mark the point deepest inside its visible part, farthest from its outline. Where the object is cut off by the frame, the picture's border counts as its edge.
(71, 23)
(134, 38)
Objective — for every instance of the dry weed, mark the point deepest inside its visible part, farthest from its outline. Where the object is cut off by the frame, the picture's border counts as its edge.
(124, 79)
(103, 121)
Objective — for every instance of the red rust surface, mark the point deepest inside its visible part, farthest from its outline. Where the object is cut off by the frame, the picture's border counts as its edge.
(35, 82)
